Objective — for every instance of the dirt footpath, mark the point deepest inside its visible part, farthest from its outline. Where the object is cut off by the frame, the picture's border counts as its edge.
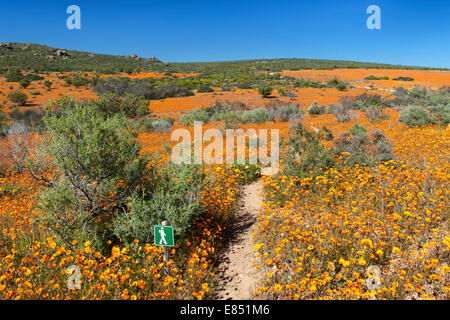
(238, 280)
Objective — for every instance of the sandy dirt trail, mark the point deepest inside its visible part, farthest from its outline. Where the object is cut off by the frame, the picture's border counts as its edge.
(238, 279)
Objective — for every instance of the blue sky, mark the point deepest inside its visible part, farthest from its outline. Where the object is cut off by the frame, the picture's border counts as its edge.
(413, 32)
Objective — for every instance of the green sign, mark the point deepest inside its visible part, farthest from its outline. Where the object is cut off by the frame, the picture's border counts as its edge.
(164, 236)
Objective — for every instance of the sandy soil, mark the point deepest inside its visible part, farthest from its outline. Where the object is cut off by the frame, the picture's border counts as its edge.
(237, 279)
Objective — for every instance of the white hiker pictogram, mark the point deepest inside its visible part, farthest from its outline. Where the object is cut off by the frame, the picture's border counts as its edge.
(163, 236)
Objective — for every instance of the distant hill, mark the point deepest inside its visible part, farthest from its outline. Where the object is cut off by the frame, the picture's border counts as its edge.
(41, 58)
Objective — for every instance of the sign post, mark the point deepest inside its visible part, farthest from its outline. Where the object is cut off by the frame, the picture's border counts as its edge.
(164, 237)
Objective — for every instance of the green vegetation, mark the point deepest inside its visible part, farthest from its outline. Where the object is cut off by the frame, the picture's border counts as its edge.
(356, 147)
(48, 84)
(315, 109)
(234, 114)
(141, 88)
(403, 79)
(415, 116)
(128, 104)
(41, 58)
(3, 123)
(265, 91)
(371, 77)
(18, 97)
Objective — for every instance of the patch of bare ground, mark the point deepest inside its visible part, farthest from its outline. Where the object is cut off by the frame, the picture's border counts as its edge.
(237, 278)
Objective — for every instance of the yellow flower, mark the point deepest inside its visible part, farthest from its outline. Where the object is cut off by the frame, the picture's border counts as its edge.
(258, 246)
(362, 262)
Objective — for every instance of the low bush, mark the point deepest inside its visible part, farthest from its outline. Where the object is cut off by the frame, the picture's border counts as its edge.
(442, 113)
(375, 113)
(255, 116)
(265, 91)
(357, 147)
(127, 104)
(194, 115)
(414, 116)
(205, 89)
(403, 79)
(174, 196)
(285, 113)
(315, 109)
(342, 113)
(24, 83)
(371, 77)
(306, 156)
(338, 84)
(18, 97)
(162, 125)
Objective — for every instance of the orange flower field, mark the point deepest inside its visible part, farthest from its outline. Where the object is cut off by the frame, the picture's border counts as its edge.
(361, 232)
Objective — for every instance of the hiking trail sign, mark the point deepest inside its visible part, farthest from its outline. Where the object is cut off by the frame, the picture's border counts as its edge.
(164, 236)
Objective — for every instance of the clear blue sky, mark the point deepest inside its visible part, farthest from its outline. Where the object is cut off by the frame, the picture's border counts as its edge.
(413, 32)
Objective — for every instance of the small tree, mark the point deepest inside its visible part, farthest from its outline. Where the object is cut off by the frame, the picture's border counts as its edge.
(18, 97)
(96, 165)
(24, 83)
(265, 91)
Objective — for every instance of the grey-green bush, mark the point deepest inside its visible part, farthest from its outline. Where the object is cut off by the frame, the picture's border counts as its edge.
(315, 109)
(415, 116)
(18, 97)
(96, 166)
(127, 104)
(176, 198)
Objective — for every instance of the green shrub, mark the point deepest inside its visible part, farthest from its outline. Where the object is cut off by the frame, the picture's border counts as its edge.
(356, 147)
(35, 93)
(194, 115)
(442, 113)
(415, 116)
(127, 104)
(255, 116)
(306, 156)
(371, 77)
(96, 166)
(162, 125)
(265, 91)
(24, 83)
(18, 97)
(315, 109)
(205, 89)
(403, 79)
(175, 197)
(358, 129)
(285, 113)
(338, 84)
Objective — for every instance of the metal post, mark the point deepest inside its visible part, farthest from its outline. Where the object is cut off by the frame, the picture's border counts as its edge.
(166, 252)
